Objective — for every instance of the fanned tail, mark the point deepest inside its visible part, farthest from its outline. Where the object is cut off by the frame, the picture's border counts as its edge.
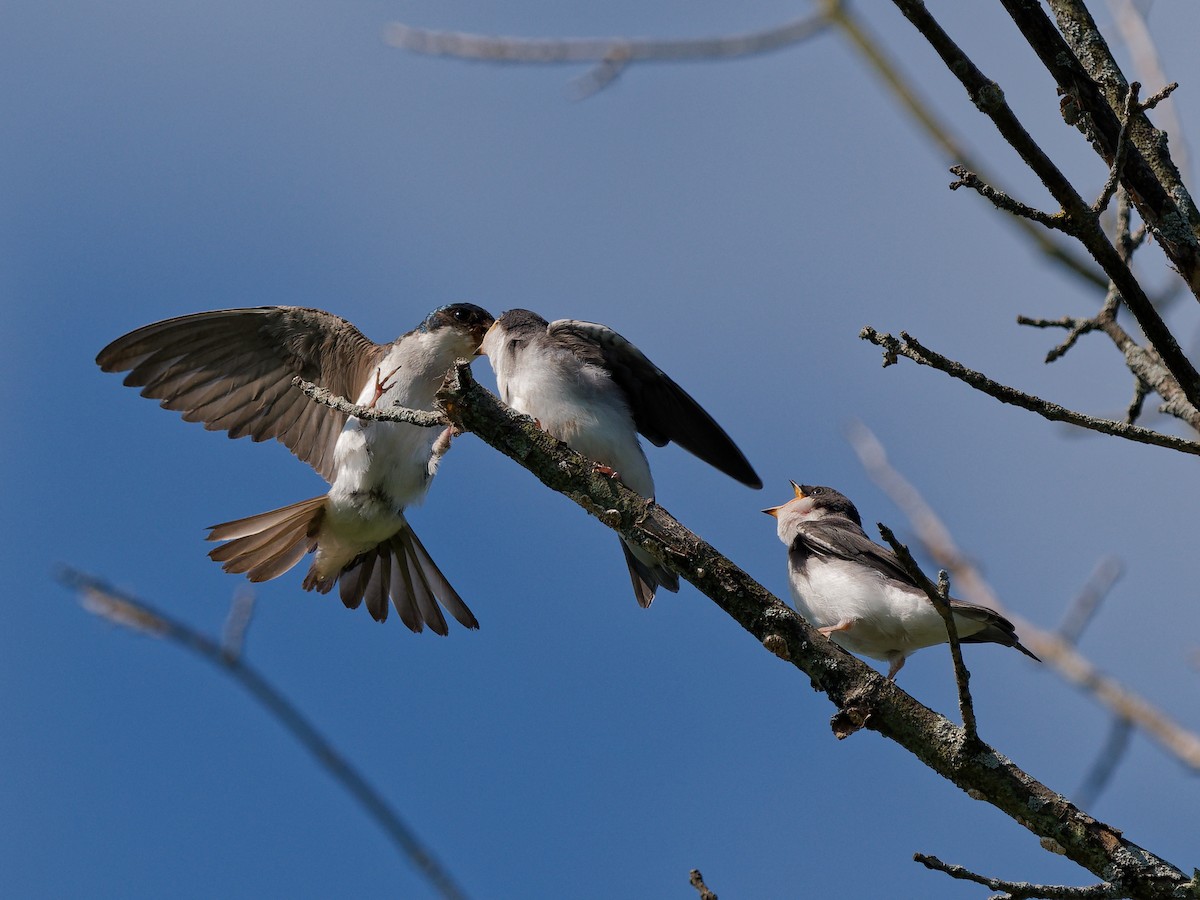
(268, 544)
(647, 575)
(400, 569)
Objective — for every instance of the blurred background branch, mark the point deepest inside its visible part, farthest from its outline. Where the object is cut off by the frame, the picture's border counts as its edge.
(104, 601)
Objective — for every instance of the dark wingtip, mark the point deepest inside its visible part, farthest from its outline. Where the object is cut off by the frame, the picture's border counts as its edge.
(1019, 646)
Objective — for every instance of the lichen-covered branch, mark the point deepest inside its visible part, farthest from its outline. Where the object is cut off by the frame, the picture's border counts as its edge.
(1077, 56)
(858, 691)
(419, 417)
(1023, 890)
(1079, 218)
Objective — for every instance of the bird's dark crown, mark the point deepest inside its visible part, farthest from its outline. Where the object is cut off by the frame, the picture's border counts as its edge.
(521, 319)
(463, 315)
(833, 502)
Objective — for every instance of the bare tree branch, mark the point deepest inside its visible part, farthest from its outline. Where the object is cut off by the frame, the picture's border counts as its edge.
(1077, 56)
(376, 414)
(697, 881)
(852, 26)
(909, 347)
(858, 691)
(105, 601)
(1057, 221)
(1023, 890)
(1134, 32)
(1083, 223)
(611, 54)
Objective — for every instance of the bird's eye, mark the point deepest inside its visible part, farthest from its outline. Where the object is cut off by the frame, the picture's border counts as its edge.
(460, 314)
(815, 491)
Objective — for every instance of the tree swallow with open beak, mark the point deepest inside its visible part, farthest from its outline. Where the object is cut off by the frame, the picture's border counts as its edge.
(592, 389)
(856, 593)
(232, 369)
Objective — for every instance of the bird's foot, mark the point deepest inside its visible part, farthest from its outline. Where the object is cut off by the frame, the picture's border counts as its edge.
(844, 625)
(383, 384)
(895, 664)
(606, 471)
(442, 444)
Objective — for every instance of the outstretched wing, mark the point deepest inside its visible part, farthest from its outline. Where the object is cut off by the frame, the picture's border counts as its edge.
(232, 369)
(662, 410)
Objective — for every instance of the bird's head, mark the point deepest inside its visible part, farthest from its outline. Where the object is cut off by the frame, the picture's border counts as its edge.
(467, 320)
(811, 502)
(512, 326)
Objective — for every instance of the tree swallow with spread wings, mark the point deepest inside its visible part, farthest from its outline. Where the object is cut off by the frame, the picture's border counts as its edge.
(855, 591)
(232, 369)
(592, 389)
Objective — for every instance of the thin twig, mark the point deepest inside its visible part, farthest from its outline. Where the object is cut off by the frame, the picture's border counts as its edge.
(1057, 221)
(1140, 392)
(1114, 172)
(697, 881)
(909, 347)
(1023, 890)
(1085, 225)
(1135, 32)
(939, 596)
(1076, 328)
(103, 600)
(1056, 654)
(1077, 56)
(611, 54)
(419, 417)
(874, 53)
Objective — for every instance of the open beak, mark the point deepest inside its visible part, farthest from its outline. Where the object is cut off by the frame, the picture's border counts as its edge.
(773, 512)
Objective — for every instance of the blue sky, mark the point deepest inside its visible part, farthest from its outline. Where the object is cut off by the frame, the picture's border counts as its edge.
(740, 222)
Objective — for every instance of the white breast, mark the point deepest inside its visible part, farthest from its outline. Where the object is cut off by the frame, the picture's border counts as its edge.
(887, 617)
(580, 405)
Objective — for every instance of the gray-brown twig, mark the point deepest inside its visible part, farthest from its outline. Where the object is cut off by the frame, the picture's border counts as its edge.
(1023, 890)
(612, 55)
(697, 881)
(939, 596)
(1078, 217)
(909, 347)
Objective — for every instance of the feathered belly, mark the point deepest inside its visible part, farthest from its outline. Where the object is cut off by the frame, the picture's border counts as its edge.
(382, 467)
(591, 419)
(884, 617)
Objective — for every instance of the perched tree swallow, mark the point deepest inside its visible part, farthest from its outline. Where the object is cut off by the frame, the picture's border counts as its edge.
(232, 369)
(592, 389)
(856, 592)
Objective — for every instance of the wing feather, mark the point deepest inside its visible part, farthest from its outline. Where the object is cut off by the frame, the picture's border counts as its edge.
(232, 370)
(662, 410)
